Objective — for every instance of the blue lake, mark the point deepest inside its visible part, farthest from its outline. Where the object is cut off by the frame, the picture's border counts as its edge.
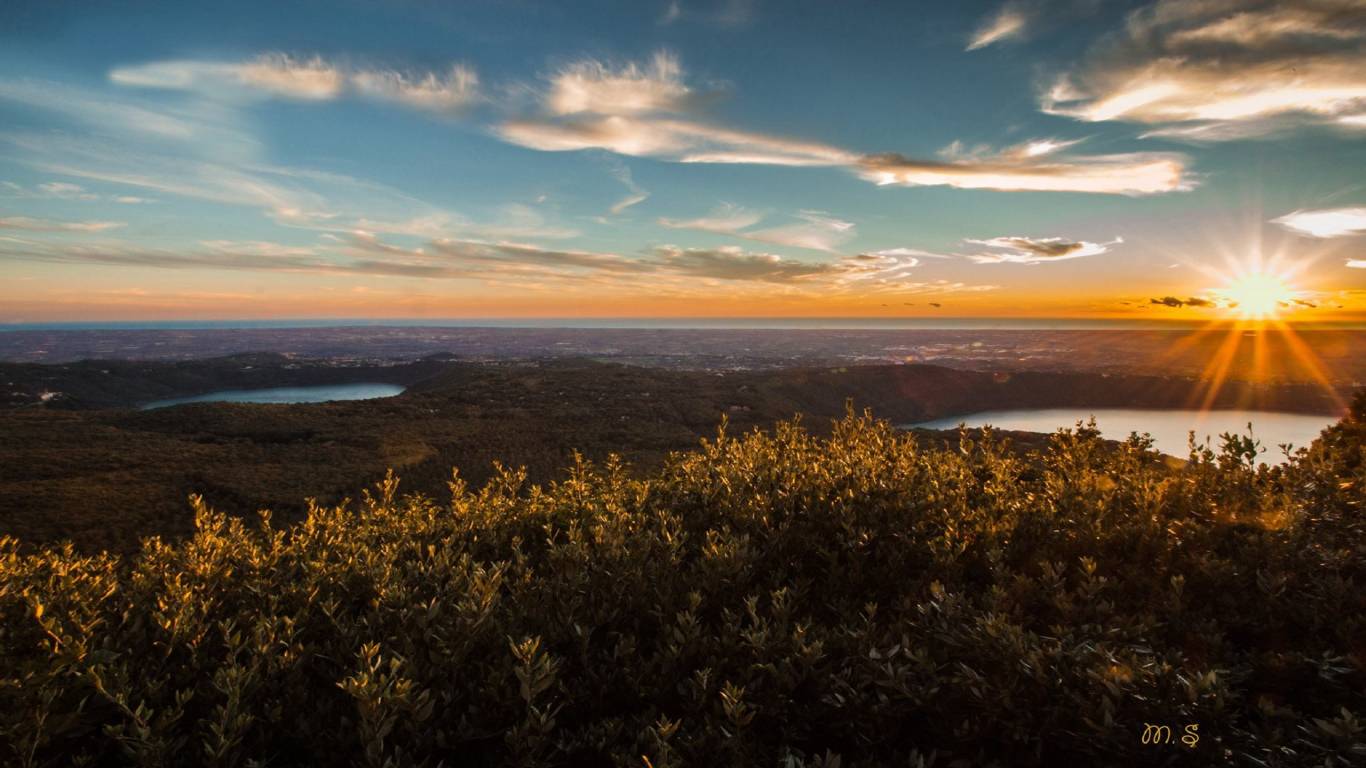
(1169, 429)
(318, 394)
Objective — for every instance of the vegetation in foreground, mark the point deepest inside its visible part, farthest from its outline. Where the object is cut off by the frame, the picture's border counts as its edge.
(772, 599)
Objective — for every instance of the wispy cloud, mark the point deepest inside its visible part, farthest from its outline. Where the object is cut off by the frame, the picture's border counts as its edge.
(726, 218)
(643, 110)
(668, 138)
(29, 224)
(455, 90)
(97, 109)
(1326, 222)
(634, 194)
(646, 111)
(722, 13)
(309, 79)
(1007, 22)
(590, 86)
(218, 255)
(512, 264)
(1037, 166)
(1225, 69)
(732, 263)
(814, 230)
(61, 190)
(1037, 250)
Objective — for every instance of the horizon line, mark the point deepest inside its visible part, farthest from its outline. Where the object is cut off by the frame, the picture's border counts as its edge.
(775, 322)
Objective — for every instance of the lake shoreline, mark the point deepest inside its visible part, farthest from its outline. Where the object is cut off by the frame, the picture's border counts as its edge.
(322, 393)
(1169, 428)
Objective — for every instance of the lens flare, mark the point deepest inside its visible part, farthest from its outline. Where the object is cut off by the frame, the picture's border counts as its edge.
(1258, 295)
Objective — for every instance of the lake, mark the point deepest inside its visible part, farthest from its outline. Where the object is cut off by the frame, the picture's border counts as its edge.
(1168, 428)
(319, 394)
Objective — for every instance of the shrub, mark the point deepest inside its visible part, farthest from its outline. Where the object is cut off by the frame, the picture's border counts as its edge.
(772, 599)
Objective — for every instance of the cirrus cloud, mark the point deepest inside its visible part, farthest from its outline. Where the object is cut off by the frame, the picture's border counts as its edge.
(307, 79)
(1224, 69)
(646, 111)
(1016, 170)
(30, 224)
(1008, 22)
(815, 230)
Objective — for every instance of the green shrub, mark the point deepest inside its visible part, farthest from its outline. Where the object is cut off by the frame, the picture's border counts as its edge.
(774, 599)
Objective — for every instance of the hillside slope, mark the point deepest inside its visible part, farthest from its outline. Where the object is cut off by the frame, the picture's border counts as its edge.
(771, 599)
(106, 477)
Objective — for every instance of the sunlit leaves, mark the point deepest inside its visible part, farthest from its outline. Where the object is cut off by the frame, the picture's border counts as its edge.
(780, 598)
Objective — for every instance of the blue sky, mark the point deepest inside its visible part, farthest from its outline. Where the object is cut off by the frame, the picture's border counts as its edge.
(409, 159)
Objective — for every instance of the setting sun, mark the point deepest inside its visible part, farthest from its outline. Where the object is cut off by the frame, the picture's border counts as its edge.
(1258, 295)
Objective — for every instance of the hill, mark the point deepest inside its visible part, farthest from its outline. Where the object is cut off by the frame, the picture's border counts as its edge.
(776, 598)
(87, 467)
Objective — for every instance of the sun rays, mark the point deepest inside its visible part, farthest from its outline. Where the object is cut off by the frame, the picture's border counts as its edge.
(1255, 296)
(1258, 295)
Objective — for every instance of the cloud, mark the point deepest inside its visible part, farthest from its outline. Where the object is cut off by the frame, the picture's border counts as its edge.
(284, 75)
(816, 230)
(61, 190)
(521, 254)
(722, 13)
(55, 190)
(95, 109)
(1035, 167)
(1018, 19)
(1037, 250)
(307, 79)
(731, 263)
(293, 197)
(1356, 263)
(276, 74)
(635, 195)
(219, 255)
(726, 218)
(514, 221)
(452, 92)
(1325, 223)
(668, 138)
(1008, 22)
(520, 266)
(1192, 301)
(590, 86)
(1217, 70)
(889, 266)
(645, 111)
(29, 224)
(66, 191)
(913, 253)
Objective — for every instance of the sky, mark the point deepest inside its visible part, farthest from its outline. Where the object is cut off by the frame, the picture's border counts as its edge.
(682, 158)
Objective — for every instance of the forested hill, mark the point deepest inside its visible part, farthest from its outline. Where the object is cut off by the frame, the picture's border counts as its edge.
(105, 477)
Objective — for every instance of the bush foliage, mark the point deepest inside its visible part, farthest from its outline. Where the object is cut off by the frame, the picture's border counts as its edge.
(771, 599)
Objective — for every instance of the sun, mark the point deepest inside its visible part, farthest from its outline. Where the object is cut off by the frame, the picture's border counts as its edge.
(1258, 295)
